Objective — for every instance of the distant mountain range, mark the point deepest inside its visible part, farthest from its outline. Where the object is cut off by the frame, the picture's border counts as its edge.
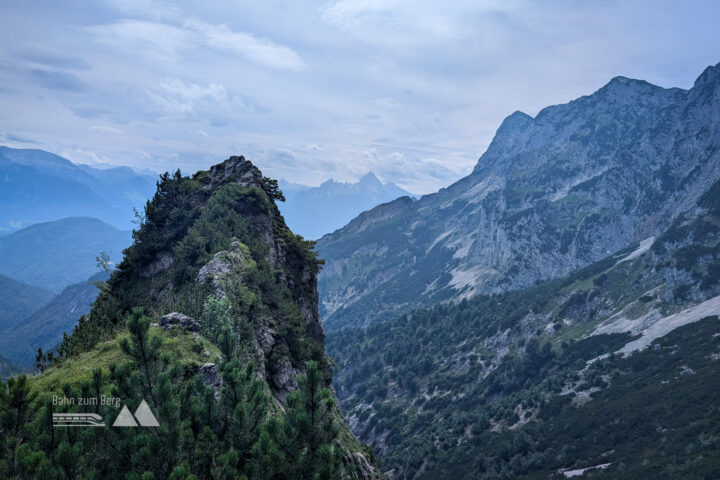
(45, 326)
(551, 194)
(314, 211)
(18, 300)
(38, 186)
(56, 254)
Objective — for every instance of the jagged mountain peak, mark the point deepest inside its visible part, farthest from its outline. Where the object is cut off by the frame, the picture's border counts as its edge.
(315, 211)
(370, 179)
(709, 76)
(551, 194)
(236, 168)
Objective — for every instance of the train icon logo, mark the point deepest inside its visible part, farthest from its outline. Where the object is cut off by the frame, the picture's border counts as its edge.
(77, 420)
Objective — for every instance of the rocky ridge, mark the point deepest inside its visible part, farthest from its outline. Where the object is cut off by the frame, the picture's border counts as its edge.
(550, 195)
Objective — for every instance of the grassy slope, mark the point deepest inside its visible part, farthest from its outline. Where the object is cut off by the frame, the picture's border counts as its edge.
(75, 370)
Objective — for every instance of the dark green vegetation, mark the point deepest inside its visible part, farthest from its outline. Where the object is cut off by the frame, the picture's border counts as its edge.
(44, 327)
(57, 254)
(38, 186)
(18, 300)
(212, 246)
(199, 436)
(499, 386)
(651, 415)
(538, 409)
(551, 194)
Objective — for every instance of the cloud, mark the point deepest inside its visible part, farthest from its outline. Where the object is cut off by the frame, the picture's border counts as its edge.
(409, 22)
(58, 81)
(145, 8)
(105, 129)
(9, 137)
(261, 51)
(410, 89)
(140, 37)
(175, 97)
(171, 42)
(49, 59)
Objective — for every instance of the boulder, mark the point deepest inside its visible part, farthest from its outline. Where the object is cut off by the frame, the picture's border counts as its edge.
(178, 320)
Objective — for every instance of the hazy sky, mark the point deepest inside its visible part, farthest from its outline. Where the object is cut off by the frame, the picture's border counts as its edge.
(412, 90)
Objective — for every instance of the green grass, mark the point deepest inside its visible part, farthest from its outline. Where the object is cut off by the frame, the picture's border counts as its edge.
(75, 370)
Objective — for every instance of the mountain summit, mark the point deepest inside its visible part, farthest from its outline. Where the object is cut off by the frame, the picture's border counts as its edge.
(550, 195)
(214, 312)
(315, 211)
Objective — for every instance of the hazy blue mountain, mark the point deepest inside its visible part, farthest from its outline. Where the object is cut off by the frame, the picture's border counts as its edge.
(550, 195)
(44, 328)
(56, 254)
(18, 300)
(38, 186)
(29, 196)
(290, 188)
(315, 211)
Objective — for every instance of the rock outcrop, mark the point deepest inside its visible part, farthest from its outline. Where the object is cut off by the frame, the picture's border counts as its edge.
(178, 320)
(211, 378)
(223, 265)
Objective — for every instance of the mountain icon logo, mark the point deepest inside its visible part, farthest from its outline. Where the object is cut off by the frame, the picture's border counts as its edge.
(143, 417)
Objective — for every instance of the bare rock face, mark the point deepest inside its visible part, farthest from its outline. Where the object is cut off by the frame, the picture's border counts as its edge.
(223, 265)
(551, 194)
(283, 378)
(211, 378)
(365, 470)
(161, 263)
(178, 320)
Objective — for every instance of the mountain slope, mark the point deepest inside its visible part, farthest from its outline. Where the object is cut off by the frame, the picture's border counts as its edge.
(551, 194)
(18, 300)
(56, 254)
(38, 186)
(44, 327)
(8, 368)
(315, 211)
(213, 275)
(534, 382)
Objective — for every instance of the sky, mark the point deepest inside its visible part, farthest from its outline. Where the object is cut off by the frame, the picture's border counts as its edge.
(311, 90)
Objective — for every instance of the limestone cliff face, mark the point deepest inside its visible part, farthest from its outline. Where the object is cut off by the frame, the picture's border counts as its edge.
(551, 194)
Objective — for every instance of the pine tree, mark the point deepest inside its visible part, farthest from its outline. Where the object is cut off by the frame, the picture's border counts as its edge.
(310, 428)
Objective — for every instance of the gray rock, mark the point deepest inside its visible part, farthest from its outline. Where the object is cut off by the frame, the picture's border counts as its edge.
(283, 378)
(211, 378)
(223, 265)
(178, 320)
(550, 195)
